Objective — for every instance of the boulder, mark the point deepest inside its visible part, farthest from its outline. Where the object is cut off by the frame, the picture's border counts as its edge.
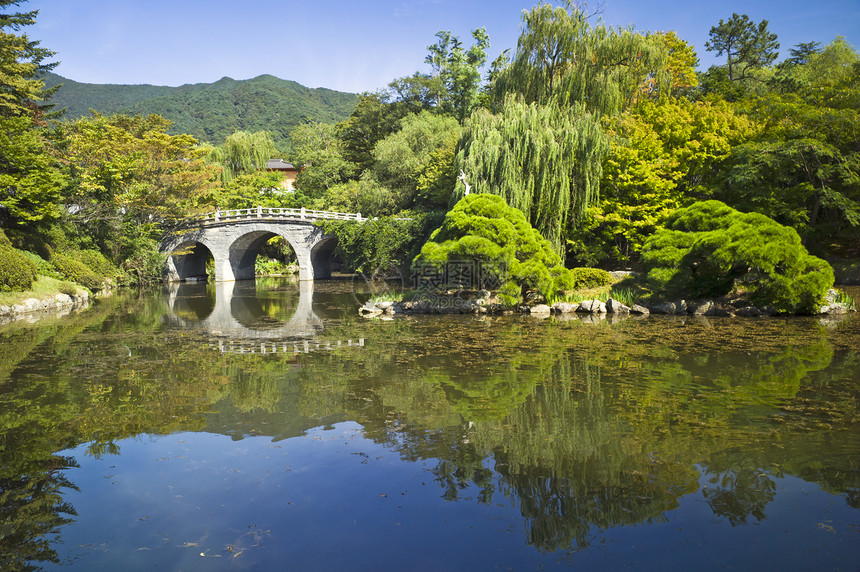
(613, 306)
(565, 307)
(832, 309)
(665, 308)
(701, 307)
(638, 309)
(369, 309)
(748, 312)
(592, 307)
(63, 300)
(541, 309)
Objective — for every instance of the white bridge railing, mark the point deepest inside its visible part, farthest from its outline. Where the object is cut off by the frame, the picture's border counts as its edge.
(235, 215)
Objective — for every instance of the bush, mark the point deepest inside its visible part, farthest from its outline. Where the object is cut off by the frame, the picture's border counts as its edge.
(484, 229)
(43, 267)
(708, 248)
(73, 269)
(588, 278)
(96, 261)
(68, 288)
(17, 273)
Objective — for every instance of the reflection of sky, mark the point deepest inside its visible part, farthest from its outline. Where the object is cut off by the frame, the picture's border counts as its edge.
(332, 500)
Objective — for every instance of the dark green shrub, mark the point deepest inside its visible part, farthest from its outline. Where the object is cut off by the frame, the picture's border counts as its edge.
(587, 278)
(484, 229)
(96, 261)
(708, 248)
(73, 269)
(68, 288)
(43, 267)
(17, 273)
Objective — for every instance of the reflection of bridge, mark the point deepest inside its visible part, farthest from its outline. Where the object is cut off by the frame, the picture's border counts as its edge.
(237, 322)
(233, 238)
(305, 346)
(238, 314)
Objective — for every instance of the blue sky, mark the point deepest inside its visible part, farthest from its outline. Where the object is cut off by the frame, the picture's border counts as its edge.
(350, 45)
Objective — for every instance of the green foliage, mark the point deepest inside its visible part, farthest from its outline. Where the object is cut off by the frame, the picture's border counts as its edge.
(211, 112)
(243, 152)
(804, 167)
(30, 176)
(561, 57)
(707, 248)
(747, 46)
(544, 160)
(142, 261)
(373, 119)
(70, 265)
(320, 153)
(258, 188)
(17, 272)
(381, 243)
(365, 196)
(664, 154)
(43, 267)
(131, 162)
(483, 228)
(586, 278)
(21, 63)
(424, 141)
(96, 261)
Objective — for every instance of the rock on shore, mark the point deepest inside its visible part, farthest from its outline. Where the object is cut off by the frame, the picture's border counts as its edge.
(33, 309)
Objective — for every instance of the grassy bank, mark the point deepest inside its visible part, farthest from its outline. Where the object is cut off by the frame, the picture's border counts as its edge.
(44, 287)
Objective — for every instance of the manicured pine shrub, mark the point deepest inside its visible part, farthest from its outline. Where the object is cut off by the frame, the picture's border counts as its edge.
(708, 249)
(483, 228)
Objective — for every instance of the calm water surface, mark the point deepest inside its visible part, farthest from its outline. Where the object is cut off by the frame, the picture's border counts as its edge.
(266, 426)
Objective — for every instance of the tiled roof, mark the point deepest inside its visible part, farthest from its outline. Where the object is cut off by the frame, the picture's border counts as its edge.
(279, 164)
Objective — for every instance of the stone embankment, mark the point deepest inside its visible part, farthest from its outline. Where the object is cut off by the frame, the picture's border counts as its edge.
(484, 303)
(33, 309)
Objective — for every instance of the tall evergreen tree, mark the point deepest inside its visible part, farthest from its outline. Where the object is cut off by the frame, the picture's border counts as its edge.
(30, 178)
(746, 45)
(21, 62)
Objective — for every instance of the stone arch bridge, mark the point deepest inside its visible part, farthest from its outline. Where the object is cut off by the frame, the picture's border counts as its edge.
(234, 238)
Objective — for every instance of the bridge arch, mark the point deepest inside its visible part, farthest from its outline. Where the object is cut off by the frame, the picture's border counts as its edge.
(234, 239)
(187, 260)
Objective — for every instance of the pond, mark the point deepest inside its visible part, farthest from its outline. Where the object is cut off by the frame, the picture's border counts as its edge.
(263, 425)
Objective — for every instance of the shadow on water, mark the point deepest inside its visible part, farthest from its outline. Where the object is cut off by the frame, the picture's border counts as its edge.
(580, 428)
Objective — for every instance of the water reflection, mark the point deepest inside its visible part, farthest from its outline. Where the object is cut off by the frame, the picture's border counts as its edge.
(238, 311)
(580, 429)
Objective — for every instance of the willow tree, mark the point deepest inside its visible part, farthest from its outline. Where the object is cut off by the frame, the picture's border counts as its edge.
(244, 152)
(542, 159)
(561, 56)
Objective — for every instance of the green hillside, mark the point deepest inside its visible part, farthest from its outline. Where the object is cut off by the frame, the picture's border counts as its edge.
(210, 111)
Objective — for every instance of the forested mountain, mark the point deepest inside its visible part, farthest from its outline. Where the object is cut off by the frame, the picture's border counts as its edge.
(210, 111)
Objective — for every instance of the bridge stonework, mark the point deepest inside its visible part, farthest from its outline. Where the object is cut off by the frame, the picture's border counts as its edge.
(235, 242)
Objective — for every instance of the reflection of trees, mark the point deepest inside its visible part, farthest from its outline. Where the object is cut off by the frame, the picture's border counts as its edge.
(594, 432)
(739, 494)
(32, 510)
(581, 427)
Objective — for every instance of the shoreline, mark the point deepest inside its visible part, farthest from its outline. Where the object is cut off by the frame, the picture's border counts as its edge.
(34, 309)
